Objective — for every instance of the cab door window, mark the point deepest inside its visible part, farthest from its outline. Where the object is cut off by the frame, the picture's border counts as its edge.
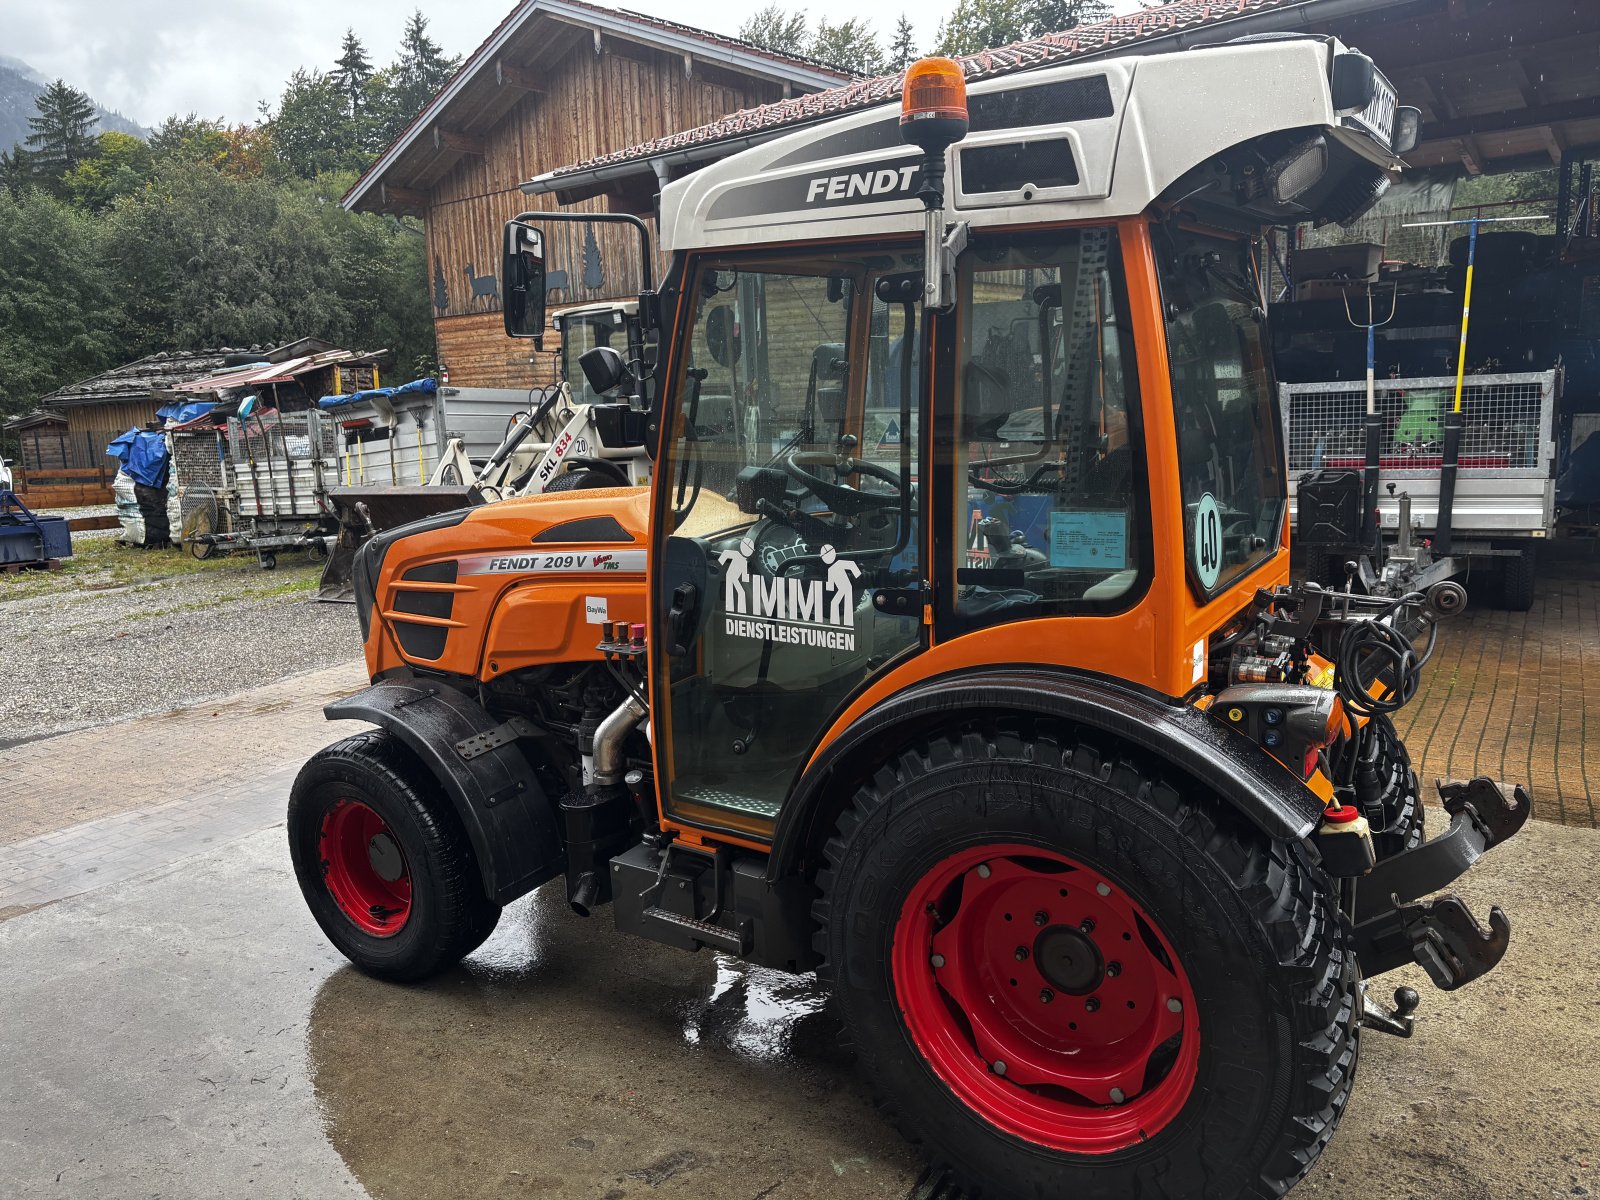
(790, 477)
(1045, 439)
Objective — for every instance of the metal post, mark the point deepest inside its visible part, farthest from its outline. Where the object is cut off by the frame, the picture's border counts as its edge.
(1452, 422)
(1585, 203)
(1564, 197)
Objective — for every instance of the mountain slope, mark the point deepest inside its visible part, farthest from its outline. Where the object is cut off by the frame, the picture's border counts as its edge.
(20, 84)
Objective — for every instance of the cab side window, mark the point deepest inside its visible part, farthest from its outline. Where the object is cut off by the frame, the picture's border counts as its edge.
(1046, 444)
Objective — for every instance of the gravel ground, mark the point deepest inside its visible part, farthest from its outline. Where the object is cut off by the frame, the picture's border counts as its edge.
(124, 632)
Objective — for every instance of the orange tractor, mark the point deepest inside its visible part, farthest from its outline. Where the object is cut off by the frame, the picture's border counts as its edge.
(951, 653)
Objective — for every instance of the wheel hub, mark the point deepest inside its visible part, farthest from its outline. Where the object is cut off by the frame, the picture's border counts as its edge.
(1069, 961)
(385, 857)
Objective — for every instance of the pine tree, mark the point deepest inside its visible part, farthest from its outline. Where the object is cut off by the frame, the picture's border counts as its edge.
(422, 66)
(61, 137)
(903, 50)
(16, 170)
(352, 70)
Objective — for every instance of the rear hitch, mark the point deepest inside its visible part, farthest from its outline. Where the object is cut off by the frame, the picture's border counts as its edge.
(1397, 1021)
(1441, 935)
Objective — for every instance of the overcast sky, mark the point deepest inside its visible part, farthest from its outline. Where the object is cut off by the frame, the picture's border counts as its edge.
(152, 58)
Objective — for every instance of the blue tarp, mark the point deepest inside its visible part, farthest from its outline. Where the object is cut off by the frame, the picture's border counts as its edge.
(178, 414)
(416, 385)
(144, 456)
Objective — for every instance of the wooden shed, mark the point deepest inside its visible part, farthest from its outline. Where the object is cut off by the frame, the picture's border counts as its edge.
(557, 82)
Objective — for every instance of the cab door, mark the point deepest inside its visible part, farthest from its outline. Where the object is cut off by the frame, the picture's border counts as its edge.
(787, 520)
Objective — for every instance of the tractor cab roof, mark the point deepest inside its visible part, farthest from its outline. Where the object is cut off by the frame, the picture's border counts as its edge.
(1218, 127)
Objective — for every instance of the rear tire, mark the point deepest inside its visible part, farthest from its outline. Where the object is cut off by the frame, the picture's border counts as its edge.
(579, 481)
(1517, 580)
(1246, 1089)
(1401, 824)
(383, 862)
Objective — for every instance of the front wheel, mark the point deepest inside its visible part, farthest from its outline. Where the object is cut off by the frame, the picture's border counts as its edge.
(383, 862)
(1071, 975)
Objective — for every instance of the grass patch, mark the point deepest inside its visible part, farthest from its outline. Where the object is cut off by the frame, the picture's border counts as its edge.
(101, 563)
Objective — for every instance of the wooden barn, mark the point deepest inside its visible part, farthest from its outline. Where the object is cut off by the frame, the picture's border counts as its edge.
(557, 82)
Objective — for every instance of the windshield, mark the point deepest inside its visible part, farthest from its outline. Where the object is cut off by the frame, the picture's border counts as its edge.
(1230, 454)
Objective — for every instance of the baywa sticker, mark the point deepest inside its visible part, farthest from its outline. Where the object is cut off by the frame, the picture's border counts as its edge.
(800, 612)
(1207, 541)
(586, 562)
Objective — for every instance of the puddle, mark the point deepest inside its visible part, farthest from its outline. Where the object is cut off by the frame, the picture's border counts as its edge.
(567, 1059)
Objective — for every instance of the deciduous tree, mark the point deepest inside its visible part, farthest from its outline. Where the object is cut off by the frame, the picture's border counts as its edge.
(975, 25)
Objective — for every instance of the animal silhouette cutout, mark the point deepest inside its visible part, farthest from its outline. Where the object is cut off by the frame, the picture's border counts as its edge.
(441, 293)
(484, 287)
(556, 281)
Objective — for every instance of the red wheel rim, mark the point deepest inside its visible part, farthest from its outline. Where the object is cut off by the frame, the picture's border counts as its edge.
(1046, 998)
(365, 869)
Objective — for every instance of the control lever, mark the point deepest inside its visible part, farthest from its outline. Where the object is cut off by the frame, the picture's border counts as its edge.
(681, 617)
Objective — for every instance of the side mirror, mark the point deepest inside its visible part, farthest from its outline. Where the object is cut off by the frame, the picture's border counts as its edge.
(523, 280)
(603, 368)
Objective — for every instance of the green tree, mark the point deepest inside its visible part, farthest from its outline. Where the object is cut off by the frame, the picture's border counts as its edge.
(59, 137)
(850, 45)
(312, 130)
(976, 25)
(16, 170)
(352, 71)
(121, 165)
(776, 28)
(57, 319)
(903, 50)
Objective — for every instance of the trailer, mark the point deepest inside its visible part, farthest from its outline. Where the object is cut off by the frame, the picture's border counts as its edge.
(1503, 505)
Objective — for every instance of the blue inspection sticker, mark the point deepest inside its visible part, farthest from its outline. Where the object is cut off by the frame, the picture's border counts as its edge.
(1095, 541)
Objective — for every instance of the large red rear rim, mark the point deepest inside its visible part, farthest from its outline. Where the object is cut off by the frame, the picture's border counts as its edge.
(1046, 998)
(365, 869)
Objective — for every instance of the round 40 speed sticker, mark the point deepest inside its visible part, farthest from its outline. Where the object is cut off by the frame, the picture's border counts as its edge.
(1207, 541)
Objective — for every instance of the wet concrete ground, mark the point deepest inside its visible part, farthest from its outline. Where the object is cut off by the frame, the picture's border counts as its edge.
(189, 1033)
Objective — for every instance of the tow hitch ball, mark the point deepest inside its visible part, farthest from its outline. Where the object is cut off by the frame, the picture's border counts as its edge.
(1397, 1021)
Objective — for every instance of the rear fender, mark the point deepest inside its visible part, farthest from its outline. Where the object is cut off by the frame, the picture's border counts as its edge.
(1198, 746)
(509, 819)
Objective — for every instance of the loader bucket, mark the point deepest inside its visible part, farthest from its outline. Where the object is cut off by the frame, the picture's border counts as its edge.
(364, 511)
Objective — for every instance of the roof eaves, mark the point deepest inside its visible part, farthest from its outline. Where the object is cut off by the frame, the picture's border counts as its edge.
(754, 60)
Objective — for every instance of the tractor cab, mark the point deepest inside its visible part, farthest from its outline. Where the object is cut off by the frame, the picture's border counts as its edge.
(950, 651)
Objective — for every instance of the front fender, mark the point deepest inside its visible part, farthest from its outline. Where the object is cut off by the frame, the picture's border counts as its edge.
(509, 819)
(1214, 756)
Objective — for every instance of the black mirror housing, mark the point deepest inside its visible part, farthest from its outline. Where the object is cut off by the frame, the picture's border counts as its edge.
(522, 274)
(603, 368)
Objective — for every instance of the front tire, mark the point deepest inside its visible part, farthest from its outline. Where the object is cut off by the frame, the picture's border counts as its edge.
(1182, 1022)
(383, 862)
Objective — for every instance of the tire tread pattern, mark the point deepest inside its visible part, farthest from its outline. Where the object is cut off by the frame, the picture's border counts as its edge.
(1282, 884)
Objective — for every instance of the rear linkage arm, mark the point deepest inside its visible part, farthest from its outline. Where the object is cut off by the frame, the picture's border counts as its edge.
(1442, 935)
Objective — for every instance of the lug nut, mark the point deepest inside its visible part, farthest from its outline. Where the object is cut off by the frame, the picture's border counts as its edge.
(1022, 954)
(1113, 969)
(937, 960)
(1041, 917)
(1087, 926)
(1175, 1005)
(1046, 995)
(1092, 1004)
(999, 1067)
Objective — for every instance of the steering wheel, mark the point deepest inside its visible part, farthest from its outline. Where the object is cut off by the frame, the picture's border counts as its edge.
(842, 498)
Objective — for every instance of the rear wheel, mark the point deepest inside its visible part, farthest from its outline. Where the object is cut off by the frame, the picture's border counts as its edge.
(1067, 977)
(383, 862)
(1517, 579)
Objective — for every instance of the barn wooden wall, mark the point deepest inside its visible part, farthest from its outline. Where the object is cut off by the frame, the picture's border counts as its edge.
(596, 103)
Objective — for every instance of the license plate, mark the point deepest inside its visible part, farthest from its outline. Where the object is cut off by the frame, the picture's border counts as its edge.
(1377, 118)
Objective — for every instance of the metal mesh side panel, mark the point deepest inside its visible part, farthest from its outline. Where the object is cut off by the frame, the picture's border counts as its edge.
(1505, 424)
